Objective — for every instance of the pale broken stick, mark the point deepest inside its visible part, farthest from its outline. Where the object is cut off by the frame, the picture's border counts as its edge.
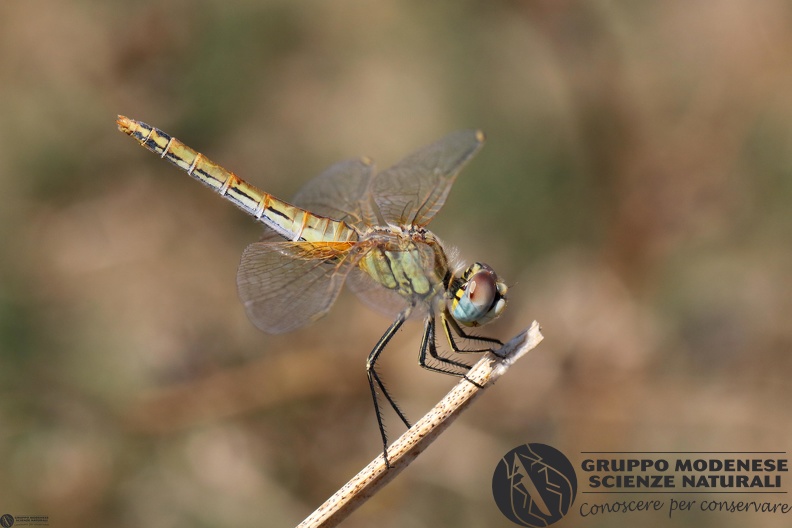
(412, 443)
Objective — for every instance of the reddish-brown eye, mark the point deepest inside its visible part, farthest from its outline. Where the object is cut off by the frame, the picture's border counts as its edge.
(482, 289)
(480, 298)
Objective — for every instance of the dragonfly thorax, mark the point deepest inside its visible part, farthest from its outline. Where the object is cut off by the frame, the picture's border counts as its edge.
(406, 260)
(477, 297)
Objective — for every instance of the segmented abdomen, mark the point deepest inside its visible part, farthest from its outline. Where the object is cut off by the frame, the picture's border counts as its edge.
(289, 221)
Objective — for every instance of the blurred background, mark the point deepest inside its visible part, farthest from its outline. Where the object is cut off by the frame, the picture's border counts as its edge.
(635, 193)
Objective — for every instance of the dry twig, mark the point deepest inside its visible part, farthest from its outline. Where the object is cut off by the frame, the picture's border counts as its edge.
(407, 448)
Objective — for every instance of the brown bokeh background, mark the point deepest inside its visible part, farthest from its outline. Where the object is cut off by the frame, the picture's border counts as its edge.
(635, 192)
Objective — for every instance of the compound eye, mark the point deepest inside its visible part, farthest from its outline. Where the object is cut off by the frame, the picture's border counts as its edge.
(482, 290)
(477, 300)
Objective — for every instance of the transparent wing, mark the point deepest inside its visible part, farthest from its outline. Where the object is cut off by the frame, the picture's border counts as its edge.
(414, 190)
(374, 295)
(285, 285)
(341, 193)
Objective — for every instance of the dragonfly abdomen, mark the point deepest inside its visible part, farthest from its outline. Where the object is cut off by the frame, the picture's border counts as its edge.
(291, 222)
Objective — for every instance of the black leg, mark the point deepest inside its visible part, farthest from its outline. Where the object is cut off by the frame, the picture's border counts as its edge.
(428, 344)
(373, 378)
(449, 323)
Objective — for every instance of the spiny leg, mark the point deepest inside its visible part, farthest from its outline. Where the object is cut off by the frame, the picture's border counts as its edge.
(373, 378)
(428, 344)
(449, 323)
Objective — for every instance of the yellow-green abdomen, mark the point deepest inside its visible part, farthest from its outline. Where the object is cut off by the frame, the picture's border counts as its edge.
(289, 221)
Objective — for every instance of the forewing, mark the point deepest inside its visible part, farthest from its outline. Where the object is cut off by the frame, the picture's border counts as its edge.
(285, 285)
(341, 193)
(414, 190)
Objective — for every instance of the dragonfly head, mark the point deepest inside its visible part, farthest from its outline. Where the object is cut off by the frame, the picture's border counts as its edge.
(479, 298)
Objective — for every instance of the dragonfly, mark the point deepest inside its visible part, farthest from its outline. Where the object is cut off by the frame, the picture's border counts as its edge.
(351, 225)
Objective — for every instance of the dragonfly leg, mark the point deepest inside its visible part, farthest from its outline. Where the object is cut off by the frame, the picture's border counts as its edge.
(449, 323)
(428, 344)
(375, 381)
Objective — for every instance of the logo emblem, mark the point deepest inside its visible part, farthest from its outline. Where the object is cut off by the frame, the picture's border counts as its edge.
(534, 485)
(7, 520)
